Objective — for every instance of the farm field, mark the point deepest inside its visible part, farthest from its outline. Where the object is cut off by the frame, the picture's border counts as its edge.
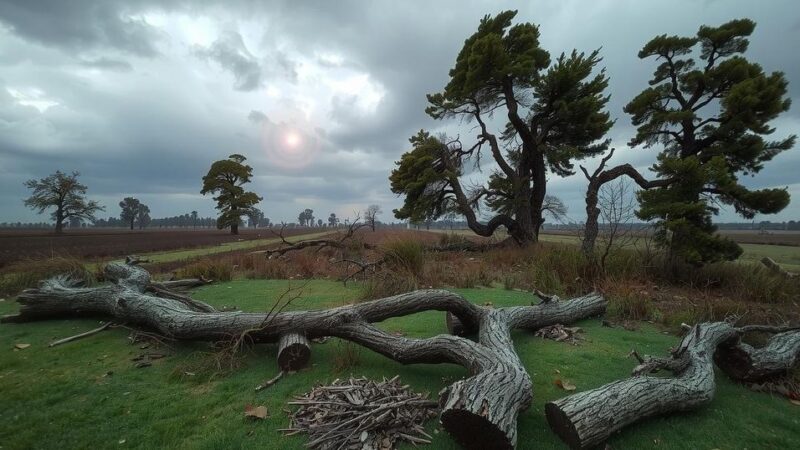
(159, 245)
(784, 247)
(90, 394)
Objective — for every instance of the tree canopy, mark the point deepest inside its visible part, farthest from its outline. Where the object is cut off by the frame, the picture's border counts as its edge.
(130, 209)
(555, 112)
(64, 193)
(710, 109)
(226, 178)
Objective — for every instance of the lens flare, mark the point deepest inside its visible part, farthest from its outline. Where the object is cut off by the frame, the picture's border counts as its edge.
(289, 146)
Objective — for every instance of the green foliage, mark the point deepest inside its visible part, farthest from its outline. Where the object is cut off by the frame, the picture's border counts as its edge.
(711, 112)
(225, 179)
(556, 116)
(64, 193)
(130, 208)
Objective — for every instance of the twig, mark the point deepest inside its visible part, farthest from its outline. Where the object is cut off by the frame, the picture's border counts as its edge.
(270, 382)
(79, 336)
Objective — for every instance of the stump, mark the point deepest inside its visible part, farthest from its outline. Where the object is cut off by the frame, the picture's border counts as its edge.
(294, 352)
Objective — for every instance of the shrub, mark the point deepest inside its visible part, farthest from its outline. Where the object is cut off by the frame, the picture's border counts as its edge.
(405, 254)
(386, 284)
(216, 270)
(28, 273)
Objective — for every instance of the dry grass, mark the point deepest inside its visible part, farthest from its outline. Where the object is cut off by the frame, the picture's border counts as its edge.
(27, 273)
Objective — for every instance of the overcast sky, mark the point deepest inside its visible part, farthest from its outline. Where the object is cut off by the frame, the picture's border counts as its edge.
(141, 96)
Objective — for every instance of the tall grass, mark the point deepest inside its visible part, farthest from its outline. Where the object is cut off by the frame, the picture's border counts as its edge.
(25, 274)
(405, 255)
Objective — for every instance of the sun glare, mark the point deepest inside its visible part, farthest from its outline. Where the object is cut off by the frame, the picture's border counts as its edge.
(292, 139)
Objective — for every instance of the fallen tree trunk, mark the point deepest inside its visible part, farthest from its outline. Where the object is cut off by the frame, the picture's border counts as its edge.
(587, 419)
(479, 411)
(742, 362)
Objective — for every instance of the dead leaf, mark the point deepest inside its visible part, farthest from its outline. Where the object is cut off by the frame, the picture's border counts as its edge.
(256, 412)
(21, 346)
(565, 384)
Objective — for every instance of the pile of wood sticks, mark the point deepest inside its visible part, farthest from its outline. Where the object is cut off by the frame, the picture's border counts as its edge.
(362, 414)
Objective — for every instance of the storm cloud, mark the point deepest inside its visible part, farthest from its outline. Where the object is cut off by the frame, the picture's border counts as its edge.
(141, 97)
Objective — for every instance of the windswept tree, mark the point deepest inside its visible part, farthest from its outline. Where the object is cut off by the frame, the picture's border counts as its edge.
(555, 115)
(371, 215)
(64, 193)
(143, 216)
(130, 208)
(226, 178)
(710, 108)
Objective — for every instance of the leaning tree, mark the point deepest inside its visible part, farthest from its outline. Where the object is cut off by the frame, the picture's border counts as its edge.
(711, 110)
(555, 115)
(64, 193)
(225, 178)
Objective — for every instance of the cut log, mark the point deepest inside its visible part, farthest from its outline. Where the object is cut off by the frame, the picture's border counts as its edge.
(479, 411)
(294, 352)
(742, 362)
(587, 419)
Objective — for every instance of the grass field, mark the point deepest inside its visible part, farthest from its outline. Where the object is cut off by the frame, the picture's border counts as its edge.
(788, 256)
(87, 394)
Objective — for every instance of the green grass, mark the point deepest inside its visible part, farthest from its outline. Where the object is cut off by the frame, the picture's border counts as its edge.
(58, 397)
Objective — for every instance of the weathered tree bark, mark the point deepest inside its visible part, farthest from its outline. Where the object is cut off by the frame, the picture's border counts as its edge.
(294, 352)
(742, 362)
(587, 419)
(479, 411)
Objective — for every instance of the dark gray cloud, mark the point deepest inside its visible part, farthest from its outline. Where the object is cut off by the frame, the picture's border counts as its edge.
(321, 96)
(81, 25)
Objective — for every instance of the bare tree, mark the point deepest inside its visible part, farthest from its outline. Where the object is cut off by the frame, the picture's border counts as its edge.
(617, 204)
(370, 216)
(65, 194)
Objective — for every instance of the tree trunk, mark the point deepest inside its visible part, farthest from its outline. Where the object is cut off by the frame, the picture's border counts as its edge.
(742, 362)
(592, 215)
(294, 352)
(59, 220)
(234, 228)
(132, 224)
(587, 419)
(479, 411)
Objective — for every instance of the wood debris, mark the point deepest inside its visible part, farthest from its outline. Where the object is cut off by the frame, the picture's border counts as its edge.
(362, 414)
(560, 333)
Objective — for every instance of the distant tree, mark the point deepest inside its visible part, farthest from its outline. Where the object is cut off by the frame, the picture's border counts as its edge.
(711, 113)
(75, 222)
(370, 216)
(306, 217)
(555, 116)
(333, 220)
(254, 217)
(194, 219)
(319, 222)
(225, 178)
(64, 193)
(130, 208)
(143, 216)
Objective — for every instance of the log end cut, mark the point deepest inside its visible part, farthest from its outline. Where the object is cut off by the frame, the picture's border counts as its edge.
(473, 431)
(561, 424)
(294, 352)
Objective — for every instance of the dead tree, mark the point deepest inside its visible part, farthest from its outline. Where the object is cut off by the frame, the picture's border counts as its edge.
(340, 243)
(597, 179)
(479, 411)
(587, 419)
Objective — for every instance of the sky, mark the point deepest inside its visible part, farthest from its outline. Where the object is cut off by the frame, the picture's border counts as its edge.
(141, 97)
